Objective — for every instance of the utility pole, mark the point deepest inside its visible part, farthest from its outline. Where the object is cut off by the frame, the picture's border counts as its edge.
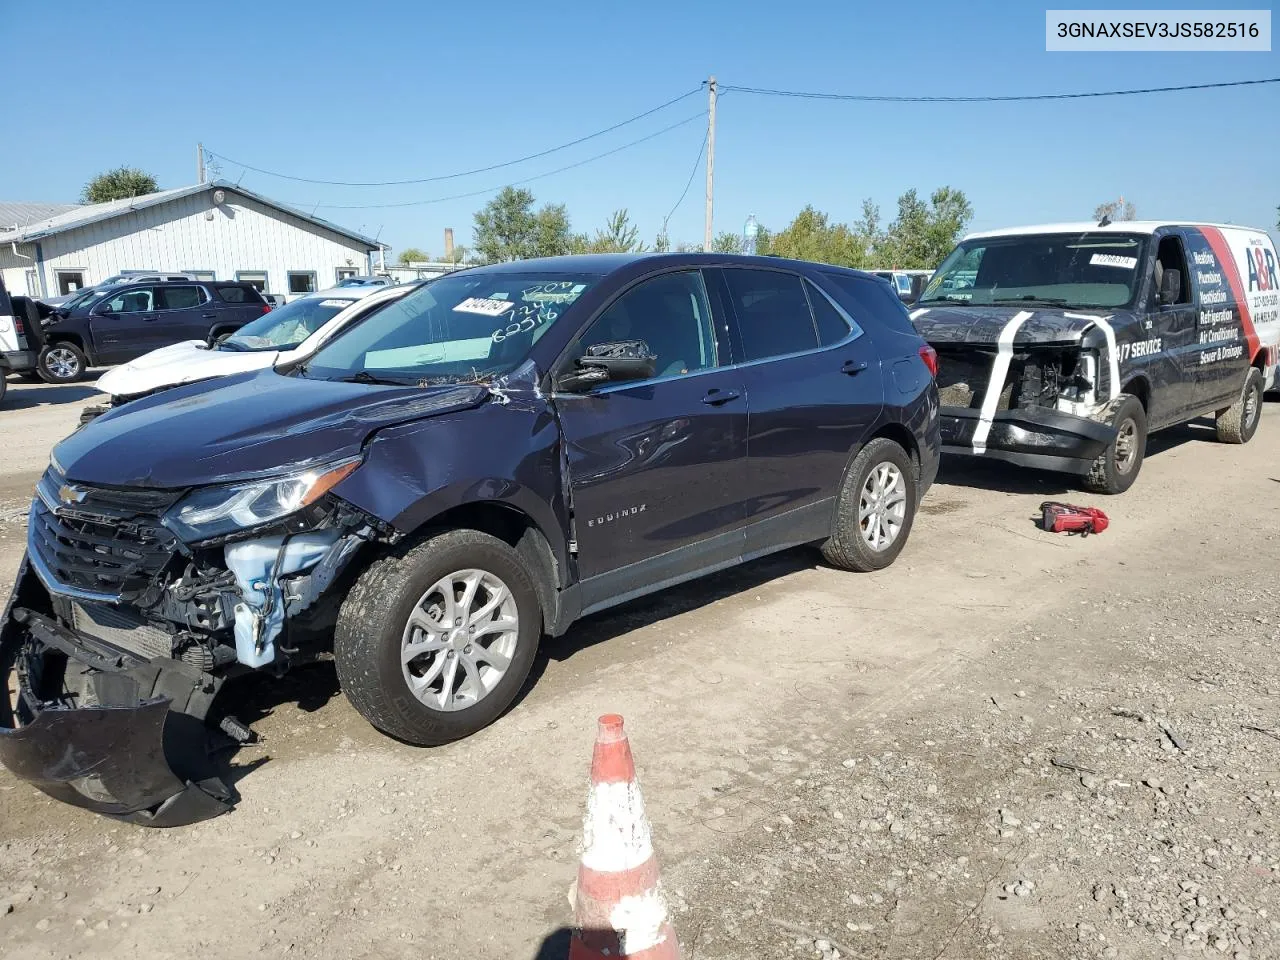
(200, 163)
(711, 160)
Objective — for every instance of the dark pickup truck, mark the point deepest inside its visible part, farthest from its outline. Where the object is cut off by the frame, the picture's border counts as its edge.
(126, 321)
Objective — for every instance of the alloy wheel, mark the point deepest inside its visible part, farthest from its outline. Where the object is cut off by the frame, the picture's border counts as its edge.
(882, 506)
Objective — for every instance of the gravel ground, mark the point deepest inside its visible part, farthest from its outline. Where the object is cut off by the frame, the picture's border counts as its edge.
(1010, 744)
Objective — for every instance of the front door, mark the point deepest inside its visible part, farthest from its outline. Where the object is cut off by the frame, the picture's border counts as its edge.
(124, 326)
(1175, 367)
(814, 388)
(655, 466)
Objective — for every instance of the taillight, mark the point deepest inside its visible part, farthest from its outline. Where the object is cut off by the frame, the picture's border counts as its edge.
(930, 358)
(17, 325)
(266, 308)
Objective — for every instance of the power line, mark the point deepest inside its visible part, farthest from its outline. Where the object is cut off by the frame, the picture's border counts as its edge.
(692, 173)
(514, 183)
(868, 98)
(463, 173)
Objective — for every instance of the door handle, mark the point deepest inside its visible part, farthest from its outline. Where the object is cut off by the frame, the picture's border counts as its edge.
(150, 317)
(208, 316)
(853, 367)
(715, 396)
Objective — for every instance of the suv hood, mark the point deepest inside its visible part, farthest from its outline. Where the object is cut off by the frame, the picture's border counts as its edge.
(246, 426)
(180, 363)
(956, 323)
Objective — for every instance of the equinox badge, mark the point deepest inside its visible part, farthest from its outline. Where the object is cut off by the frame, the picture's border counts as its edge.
(70, 494)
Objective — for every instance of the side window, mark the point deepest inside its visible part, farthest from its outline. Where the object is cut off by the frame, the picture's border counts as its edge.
(832, 327)
(1170, 256)
(773, 313)
(233, 294)
(141, 300)
(864, 297)
(174, 297)
(670, 314)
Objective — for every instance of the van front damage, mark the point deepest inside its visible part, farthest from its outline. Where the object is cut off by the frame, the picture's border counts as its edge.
(1030, 387)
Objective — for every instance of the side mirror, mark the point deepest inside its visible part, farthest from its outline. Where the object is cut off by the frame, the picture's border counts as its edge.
(616, 361)
(1170, 286)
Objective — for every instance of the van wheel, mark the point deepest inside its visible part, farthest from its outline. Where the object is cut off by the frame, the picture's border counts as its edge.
(1239, 422)
(61, 363)
(874, 510)
(432, 644)
(4, 383)
(1117, 468)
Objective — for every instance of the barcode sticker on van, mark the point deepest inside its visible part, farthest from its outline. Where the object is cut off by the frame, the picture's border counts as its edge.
(1113, 260)
(487, 308)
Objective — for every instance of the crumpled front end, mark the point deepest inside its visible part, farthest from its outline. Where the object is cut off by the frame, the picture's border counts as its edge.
(120, 634)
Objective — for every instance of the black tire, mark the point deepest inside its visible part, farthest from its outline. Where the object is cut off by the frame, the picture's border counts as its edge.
(370, 631)
(29, 312)
(1239, 422)
(61, 362)
(848, 547)
(219, 335)
(1118, 467)
(4, 384)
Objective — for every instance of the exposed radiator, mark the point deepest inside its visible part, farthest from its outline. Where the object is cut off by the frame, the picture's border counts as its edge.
(122, 628)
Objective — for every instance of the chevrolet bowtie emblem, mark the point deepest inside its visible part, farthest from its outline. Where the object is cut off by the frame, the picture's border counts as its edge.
(70, 494)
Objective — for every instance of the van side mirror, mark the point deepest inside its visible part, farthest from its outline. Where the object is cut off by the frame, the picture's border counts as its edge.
(1170, 286)
(616, 361)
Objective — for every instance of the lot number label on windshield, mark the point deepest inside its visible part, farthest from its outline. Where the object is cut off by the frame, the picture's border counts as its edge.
(487, 308)
(1113, 260)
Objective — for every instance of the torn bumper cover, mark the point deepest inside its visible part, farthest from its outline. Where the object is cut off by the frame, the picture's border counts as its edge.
(97, 728)
(1028, 436)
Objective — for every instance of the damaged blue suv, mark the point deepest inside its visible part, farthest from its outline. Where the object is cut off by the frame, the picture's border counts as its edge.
(474, 467)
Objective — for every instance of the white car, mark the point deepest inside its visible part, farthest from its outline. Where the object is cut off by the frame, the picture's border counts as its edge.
(289, 333)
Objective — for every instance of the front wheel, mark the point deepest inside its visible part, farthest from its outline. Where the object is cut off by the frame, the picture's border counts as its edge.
(1118, 466)
(61, 363)
(1239, 422)
(874, 509)
(433, 644)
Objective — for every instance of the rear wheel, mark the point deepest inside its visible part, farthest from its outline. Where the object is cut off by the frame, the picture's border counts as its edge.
(1239, 422)
(874, 509)
(1117, 468)
(61, 363)
(4, 383)
(433, 644)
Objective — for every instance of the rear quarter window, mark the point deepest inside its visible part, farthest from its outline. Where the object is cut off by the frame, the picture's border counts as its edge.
(244, 294)
(864, 297)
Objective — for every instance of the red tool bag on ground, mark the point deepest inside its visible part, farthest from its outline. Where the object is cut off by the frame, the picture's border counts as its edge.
(1067, 518)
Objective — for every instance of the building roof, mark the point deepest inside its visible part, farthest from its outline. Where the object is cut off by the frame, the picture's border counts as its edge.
(1091, 226)
(72, 217)
(15, 213)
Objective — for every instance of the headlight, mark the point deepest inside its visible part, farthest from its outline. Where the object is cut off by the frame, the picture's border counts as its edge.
(215, 511)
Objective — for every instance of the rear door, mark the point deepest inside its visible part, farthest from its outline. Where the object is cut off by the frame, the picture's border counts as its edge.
(185, 313)
(813, 384)
(123, 325)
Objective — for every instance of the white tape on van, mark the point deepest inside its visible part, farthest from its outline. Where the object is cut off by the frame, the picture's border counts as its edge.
(999, 371)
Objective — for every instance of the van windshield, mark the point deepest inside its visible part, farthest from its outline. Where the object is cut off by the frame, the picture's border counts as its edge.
(287, 326)
(467, 327)
(1068, 270)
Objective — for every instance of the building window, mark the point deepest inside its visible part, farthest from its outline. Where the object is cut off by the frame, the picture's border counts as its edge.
(207, 275)
(302, 281)
(344, 273)
(70, 281)
(258, 279)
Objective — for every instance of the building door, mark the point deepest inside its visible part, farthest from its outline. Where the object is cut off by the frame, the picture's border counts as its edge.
(69, 281)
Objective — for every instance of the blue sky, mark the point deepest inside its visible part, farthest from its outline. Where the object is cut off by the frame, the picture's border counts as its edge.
(350, 92)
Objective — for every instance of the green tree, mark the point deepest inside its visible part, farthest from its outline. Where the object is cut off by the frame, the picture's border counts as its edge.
(1114, 210)
(508, 228)
(619, 235)
(118, 184)
(923, 233)
(413, 255)
(812, 236)
(662, 243)
(726, 242)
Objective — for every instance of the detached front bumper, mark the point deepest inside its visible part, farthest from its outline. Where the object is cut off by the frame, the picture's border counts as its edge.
(131, 743)
(1027, 436)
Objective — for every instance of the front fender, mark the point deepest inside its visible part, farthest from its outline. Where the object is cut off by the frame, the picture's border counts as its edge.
(494, 453)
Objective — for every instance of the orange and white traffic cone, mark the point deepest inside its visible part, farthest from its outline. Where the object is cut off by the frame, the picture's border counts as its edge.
(618, 906)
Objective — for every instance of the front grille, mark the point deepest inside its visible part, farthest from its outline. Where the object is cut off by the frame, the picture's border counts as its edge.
(100, 540)
(123, 628)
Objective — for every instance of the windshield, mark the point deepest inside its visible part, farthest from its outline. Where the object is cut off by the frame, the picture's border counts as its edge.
(465, 327)
(1071, 270)
(286, 327)
(81, 297)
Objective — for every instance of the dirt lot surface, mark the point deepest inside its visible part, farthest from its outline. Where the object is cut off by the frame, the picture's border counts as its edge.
(1011, 744)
